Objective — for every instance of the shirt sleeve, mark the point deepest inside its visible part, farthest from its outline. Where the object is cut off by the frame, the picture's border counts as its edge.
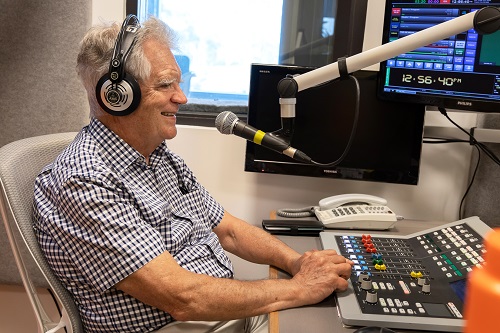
(214, 208)
(101, 230)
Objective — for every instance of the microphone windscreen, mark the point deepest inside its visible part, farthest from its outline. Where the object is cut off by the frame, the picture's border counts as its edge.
(225, 122)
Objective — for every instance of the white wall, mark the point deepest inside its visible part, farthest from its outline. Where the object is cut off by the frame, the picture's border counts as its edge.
(108, 11)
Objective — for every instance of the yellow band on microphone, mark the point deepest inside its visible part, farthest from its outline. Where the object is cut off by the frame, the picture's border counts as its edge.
(259, 135)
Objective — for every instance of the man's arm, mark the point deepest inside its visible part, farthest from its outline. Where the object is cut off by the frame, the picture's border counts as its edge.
(189, 296)
(255, 245)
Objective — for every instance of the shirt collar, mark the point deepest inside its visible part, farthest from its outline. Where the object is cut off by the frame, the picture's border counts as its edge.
(119, 153)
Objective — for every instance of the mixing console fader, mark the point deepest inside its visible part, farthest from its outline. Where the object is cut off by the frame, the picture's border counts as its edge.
(416, 281)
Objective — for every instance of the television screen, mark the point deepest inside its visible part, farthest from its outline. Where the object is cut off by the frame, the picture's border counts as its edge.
(388, 140)
(461, 72)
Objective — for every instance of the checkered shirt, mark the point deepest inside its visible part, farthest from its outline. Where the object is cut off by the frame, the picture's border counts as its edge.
(102, 213)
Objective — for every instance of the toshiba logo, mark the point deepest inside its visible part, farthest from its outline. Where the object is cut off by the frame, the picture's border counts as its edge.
(464, 103)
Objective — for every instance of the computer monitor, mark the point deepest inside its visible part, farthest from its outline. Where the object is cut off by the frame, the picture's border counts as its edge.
(461, 72)
(388, 140)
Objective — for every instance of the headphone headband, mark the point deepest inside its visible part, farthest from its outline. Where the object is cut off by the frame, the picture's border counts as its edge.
(124, 42)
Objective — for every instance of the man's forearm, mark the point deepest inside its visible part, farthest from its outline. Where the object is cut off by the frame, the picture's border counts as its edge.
(191, 296)
(255, 245)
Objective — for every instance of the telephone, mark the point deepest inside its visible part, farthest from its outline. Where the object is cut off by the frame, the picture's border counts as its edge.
(355, 211)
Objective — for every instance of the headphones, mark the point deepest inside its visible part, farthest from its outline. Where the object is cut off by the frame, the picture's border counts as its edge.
(117, 92)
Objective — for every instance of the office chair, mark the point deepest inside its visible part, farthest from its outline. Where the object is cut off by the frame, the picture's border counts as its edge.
(20, 163)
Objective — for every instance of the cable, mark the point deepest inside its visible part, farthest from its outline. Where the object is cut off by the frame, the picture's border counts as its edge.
(481, 147)
(439, 140)
(473, 140)
(296, 212)
(353, 130)
(470, 183)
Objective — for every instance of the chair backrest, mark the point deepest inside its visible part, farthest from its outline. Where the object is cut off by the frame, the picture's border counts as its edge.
(20, 163)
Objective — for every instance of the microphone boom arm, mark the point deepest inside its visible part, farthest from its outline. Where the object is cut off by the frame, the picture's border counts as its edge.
(485, 20)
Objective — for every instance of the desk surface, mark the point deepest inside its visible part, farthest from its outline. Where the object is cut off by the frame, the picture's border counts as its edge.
(323, 317)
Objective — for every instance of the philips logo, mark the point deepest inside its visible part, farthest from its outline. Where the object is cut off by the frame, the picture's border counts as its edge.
(330, 171)
(464, 103)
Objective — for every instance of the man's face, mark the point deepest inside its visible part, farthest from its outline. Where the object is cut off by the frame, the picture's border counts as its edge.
(161, 94)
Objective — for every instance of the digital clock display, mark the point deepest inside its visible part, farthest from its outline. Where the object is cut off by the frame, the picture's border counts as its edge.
(429, 79)
(443, 81)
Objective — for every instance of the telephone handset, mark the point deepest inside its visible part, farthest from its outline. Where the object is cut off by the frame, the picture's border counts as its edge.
(355, 211)
(351, 199)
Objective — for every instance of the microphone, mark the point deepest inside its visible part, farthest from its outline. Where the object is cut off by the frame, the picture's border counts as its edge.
(228, 123)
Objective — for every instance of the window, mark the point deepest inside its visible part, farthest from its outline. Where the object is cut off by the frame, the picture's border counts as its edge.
(220, 39)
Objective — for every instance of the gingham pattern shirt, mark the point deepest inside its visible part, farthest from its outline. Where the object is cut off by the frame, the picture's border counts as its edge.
(101, 213)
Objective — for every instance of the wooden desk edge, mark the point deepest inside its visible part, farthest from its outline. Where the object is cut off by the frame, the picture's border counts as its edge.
(274, 321)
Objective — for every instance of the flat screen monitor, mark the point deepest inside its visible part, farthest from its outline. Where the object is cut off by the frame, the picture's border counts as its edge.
(388, 140)
(461, 72)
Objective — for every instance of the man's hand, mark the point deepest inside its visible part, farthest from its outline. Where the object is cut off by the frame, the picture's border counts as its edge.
(320, 273)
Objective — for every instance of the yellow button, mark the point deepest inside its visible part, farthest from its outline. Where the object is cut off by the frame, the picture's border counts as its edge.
(416, 275)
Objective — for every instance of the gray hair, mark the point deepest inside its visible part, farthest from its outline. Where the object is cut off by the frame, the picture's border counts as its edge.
(96, 50)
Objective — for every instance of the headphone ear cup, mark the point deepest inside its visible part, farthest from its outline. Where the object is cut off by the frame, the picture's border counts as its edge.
(118, 99)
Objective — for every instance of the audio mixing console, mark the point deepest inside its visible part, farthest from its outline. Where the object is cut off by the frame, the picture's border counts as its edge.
(415, 281)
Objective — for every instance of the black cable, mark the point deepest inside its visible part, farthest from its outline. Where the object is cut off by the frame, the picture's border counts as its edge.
(478, 145)
(353, 130)
(470, 183)
(473, 140)
(439, 140)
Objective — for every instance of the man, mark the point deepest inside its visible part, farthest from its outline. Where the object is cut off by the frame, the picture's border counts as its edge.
(138, 242)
